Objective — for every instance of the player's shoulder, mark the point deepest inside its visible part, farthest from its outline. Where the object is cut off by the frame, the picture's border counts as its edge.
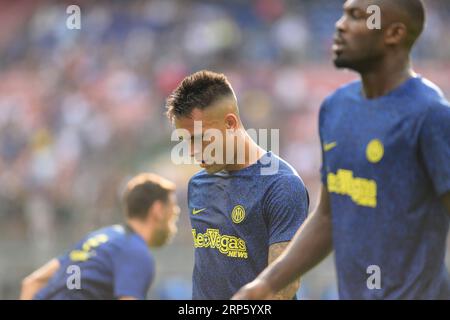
(284, 172)
(133, 246)
(105, 234)
(132, 239)
(284, 167)
(428, 94)
(198, 177)
(345, 91)
(428, 103)
(285, 184)
(115, 229)
(121, 236)
(434, 106)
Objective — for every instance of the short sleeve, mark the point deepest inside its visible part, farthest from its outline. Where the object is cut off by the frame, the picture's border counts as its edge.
(323, 174)
(435, 147)
(133, 272)
(286, 208)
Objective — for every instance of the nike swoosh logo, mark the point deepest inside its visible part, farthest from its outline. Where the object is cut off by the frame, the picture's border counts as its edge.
(329, 146)
(197, 211)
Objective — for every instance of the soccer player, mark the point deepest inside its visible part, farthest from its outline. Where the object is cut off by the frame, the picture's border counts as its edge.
(113, 262)
(385, 200)
(242, 216)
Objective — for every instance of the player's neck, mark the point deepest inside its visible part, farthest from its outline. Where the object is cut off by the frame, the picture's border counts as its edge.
(385, 77)
(140, 229)
(253, 152)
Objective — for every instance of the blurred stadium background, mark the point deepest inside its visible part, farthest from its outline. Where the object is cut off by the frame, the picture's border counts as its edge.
(83, 110)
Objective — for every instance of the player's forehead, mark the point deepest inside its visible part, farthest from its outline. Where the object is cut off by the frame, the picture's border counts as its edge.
(357, 4)
(187, 122)
(197, 118)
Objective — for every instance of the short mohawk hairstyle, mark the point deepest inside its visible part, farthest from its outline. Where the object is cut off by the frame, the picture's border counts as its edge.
(199, 90)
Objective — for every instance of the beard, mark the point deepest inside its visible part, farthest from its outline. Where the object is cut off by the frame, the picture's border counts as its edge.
(164, 236)
(361, 64)
(345, 63)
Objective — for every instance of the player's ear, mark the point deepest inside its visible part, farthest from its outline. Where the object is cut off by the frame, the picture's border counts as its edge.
(231, 121)
(156, 211)
(395, 33)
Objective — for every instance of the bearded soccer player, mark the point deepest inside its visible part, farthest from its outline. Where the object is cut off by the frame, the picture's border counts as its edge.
(244, 209)
(113, 262)
(385, 200)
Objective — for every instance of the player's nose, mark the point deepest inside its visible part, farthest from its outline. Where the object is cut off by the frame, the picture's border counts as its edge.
(341, 24)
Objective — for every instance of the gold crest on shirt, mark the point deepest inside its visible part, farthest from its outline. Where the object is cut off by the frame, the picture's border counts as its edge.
(238, 214)
(375, 151)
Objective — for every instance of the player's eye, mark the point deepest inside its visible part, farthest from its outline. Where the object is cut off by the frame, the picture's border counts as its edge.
(356, 14)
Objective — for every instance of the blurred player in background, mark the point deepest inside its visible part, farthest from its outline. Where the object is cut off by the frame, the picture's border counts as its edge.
(114, 262)
(242, 217)
(385, 200)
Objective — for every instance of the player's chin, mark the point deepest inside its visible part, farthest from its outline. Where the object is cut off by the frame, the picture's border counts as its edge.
(167, 238)
(339, 59)
(340, 62)
(348, 61)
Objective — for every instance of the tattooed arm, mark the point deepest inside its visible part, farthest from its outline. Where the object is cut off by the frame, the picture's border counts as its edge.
(275, 250)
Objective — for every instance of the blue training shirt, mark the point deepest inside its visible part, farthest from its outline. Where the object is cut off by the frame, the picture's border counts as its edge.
(235, 217)
(113, 262)
(386, 162)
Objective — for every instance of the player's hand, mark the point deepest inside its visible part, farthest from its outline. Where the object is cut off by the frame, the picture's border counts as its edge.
(255, 290)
